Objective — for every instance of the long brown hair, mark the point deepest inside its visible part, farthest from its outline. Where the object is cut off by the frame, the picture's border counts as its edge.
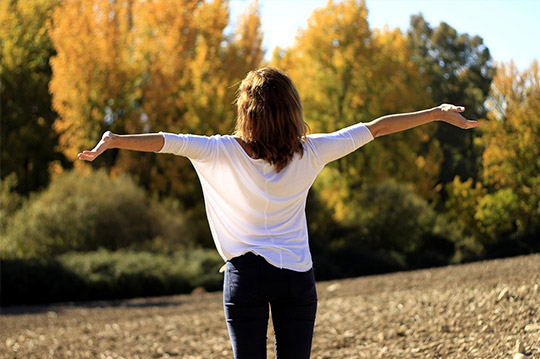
(270, 117)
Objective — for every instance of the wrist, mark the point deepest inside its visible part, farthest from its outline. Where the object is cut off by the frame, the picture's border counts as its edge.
(433, 114)
(112, 139)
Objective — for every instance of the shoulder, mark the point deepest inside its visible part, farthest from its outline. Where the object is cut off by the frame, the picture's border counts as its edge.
(224, 141)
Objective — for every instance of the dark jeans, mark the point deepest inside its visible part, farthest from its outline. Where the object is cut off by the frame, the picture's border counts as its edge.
(251, 285)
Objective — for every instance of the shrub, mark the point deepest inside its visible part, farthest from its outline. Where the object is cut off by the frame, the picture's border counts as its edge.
(387, 227)
(393, 217)
(11, 201)
(104, 274)
(497, 213)
(82, 212)
(461, 204)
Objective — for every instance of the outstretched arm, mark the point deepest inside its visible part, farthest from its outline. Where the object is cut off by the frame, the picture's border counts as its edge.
(399, 122)
(152, 142)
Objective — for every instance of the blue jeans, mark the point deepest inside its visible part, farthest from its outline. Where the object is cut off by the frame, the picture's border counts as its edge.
(252, 285)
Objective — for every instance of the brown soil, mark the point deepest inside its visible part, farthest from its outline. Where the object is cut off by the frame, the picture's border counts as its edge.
(477, 310)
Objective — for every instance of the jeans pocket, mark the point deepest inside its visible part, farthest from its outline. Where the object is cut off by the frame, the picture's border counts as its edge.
(241, 285)
(304, 288)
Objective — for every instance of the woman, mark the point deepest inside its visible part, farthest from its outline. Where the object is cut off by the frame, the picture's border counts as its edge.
(255, 185)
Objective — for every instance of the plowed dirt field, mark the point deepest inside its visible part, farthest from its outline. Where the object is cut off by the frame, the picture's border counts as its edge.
(478, 310)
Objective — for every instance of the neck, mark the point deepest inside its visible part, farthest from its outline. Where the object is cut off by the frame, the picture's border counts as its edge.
(247, 148)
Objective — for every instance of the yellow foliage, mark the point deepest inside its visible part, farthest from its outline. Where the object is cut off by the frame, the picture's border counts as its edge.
(92, 69)
(348, 73)
(21, 32)
(462, 203)
(511, 139)
(145, 66)
(245, 51)
(28, 142)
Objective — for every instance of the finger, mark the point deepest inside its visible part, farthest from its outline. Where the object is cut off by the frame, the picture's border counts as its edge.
(472, 123)
(468, 124)
(87, 156)
(90, 153)
(455, 108)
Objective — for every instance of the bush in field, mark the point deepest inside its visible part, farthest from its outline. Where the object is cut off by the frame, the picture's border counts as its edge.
(492, 222)
(498, 214)
(108, 275)
(391, 218)
(11, 201)
(83, 212)
(397, 217)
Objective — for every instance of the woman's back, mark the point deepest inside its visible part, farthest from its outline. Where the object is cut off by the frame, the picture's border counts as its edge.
(251, 207)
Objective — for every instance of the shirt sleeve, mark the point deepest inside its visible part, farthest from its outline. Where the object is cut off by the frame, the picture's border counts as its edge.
(194, 147)
(332, 146)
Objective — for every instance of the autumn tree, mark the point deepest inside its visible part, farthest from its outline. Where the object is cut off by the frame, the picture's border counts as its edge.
(138, 66)
(348, 73)
(178, 47)
(459, 70)
(499, 213)
(201, 95)
(96, 82)
(244, 51)
(28, 140)
(511, 159)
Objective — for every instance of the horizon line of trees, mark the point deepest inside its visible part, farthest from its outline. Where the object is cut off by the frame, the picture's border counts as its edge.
(72, 69)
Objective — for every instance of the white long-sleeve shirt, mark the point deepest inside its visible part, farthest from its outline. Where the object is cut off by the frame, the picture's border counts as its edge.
(251, 207)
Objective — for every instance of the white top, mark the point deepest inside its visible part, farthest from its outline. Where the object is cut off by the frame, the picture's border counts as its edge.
(250, 207)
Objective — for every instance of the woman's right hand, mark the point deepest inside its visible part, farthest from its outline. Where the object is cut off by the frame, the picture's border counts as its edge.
(105, 143)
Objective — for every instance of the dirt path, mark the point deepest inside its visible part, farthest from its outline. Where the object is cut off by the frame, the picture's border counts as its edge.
(477, 310)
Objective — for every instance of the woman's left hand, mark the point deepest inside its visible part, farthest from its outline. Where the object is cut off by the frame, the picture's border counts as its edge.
(452, 115)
